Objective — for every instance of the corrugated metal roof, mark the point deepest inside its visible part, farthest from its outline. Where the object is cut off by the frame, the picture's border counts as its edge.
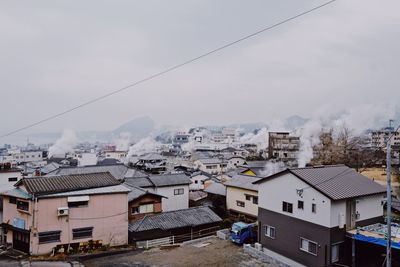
(18, 193)
(65, 183)
(118, 170)
(335, 181)
(216, 189)
(243, 181)
(176, 219)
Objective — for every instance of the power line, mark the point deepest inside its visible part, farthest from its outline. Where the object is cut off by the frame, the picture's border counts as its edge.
(167, 70)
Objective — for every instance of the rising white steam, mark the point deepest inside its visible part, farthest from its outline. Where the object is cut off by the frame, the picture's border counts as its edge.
(144, 146)
(260, 139)
(272, 168)
(64, 144)
(358, 119)
(123, 141)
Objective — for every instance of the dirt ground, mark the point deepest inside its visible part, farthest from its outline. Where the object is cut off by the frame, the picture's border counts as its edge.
(212, 252)
(379, 175)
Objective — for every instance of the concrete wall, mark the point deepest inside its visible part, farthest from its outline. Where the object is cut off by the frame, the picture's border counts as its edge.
(234, 194)
(5, 185)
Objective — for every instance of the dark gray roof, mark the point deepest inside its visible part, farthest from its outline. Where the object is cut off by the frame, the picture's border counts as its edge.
(335, 181)
(64, 183)
(133, 173)
(137, 192)
(176, 219)
(118, 170)
(152, 156)
(244, 182)
(255, 164)
(139, 182)
(170, 179)
(213, 161)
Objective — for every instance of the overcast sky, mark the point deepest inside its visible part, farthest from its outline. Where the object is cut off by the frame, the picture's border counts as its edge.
(58, 54)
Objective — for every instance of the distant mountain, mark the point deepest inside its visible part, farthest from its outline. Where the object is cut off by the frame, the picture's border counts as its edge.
(138, 128)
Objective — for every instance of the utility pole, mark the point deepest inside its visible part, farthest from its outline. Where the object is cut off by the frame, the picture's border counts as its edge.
(389, 196)
(388, 205)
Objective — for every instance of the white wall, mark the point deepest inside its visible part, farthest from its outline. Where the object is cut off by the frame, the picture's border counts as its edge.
(234, 194)
(369, 207)
(200, 182)
(173, 202)
(273, 192)
(5, 185)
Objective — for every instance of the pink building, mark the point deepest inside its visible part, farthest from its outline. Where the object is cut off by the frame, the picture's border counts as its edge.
(59, 213)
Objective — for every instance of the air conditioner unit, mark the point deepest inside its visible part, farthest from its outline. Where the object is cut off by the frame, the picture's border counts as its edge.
(62, 211)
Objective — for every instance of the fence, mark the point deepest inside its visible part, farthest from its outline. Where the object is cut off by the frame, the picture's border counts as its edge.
(177, 239)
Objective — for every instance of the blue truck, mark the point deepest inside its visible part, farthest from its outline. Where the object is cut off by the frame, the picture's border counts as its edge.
(243, 232)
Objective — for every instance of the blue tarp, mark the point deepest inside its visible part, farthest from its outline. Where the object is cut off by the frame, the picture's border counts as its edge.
(376, 241)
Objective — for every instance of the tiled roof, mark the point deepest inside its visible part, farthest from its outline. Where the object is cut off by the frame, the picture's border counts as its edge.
(335, 181)
(118, 170)
(139, 182)
(137, 192)
(176, 219)
(213, 161)
(64, 183)
(170, 179)
(244, 182)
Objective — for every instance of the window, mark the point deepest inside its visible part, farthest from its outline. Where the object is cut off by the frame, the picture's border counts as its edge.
(300, 205)
(85, 232)
(22, 205)
(308, 246)
(248, 197)
(255, 200)
(314, 208)
(146, 208)
(270, 231)
(178, 191)
(49, 237)
(240, 203)
(78, 204)
(335, 253)
(12, 179)
(287, 207)
(12, 200)
(196, 182)
(134, 210)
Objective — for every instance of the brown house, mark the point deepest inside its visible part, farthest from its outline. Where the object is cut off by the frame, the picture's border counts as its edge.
(142, 203)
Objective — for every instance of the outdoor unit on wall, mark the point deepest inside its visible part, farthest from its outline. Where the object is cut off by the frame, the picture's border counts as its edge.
(341, 220)
(62, 211)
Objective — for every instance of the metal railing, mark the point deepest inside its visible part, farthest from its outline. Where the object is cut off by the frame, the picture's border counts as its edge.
(177, 239)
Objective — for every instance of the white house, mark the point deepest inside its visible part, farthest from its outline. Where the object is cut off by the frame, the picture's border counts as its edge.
(304, 212)
(173, 187)
(8, 176)
(198, 180)
(242, 196)
(211, 165)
